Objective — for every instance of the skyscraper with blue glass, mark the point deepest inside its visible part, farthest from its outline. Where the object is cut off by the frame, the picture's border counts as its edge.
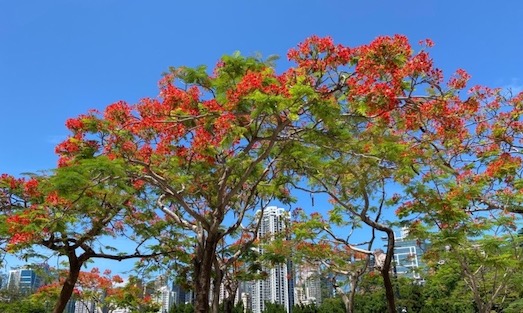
(24, 280)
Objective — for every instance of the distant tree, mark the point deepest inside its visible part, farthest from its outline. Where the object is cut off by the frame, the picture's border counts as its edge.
(69, 210)
(238, 308)
(445, 291)
(410, 291)
(370, 295)
(133, 297)
(332, 305)
(301, 308)
(274, 308)
(485, 271)
(182, 308)
(23, 306)
(105, 290)
(99, 288)
(515, 307)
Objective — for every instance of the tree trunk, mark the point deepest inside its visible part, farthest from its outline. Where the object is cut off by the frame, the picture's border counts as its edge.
(385, 270)
(385, 273)
(389, 291)
(228, 305)
(217, 282)
(228, 302)
(352, 294)
(473, 284)
(346, 302)
(203, 264)
(75, 266)
(484, 308)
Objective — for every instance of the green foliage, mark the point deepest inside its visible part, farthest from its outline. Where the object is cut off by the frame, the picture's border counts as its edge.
(274, 308)
(238, 308)
(332, 305)
(486, 271)
(189, 308)
(95, 174)
(371, 298)
(445, 291)
(300, 308)
(514, 307)
(25, 306)
(182, 308)
(342, 122)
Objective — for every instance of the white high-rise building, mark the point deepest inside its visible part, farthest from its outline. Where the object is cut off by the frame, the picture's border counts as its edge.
(246, 301)
(85, 306)
(278, 287)
(165, 299)
(308, 285)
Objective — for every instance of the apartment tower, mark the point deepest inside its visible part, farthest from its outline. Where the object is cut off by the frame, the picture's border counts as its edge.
(278, 287)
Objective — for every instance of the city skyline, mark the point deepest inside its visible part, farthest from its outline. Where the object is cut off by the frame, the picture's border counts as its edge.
(285, 284)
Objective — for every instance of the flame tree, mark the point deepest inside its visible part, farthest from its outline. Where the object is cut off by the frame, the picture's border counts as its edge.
(448, 161)
(71, 212)
(350, 121)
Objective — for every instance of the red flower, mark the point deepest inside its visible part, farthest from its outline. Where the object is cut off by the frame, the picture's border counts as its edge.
(31, 187)
(74, 124)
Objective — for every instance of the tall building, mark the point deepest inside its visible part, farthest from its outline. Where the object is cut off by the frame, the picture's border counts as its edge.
(182, 295)
(158, 289)
(407, 255)
(24, 280)
(278, 287)
(165, 299)
(179, 294)
(246, 301)
(3, 280)
(308, 285)
(85, 306)
(71, 305)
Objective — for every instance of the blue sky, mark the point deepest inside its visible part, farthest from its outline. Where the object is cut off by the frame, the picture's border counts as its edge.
(60, 58)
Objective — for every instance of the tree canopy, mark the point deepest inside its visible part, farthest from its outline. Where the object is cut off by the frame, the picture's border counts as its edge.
(376, 128)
